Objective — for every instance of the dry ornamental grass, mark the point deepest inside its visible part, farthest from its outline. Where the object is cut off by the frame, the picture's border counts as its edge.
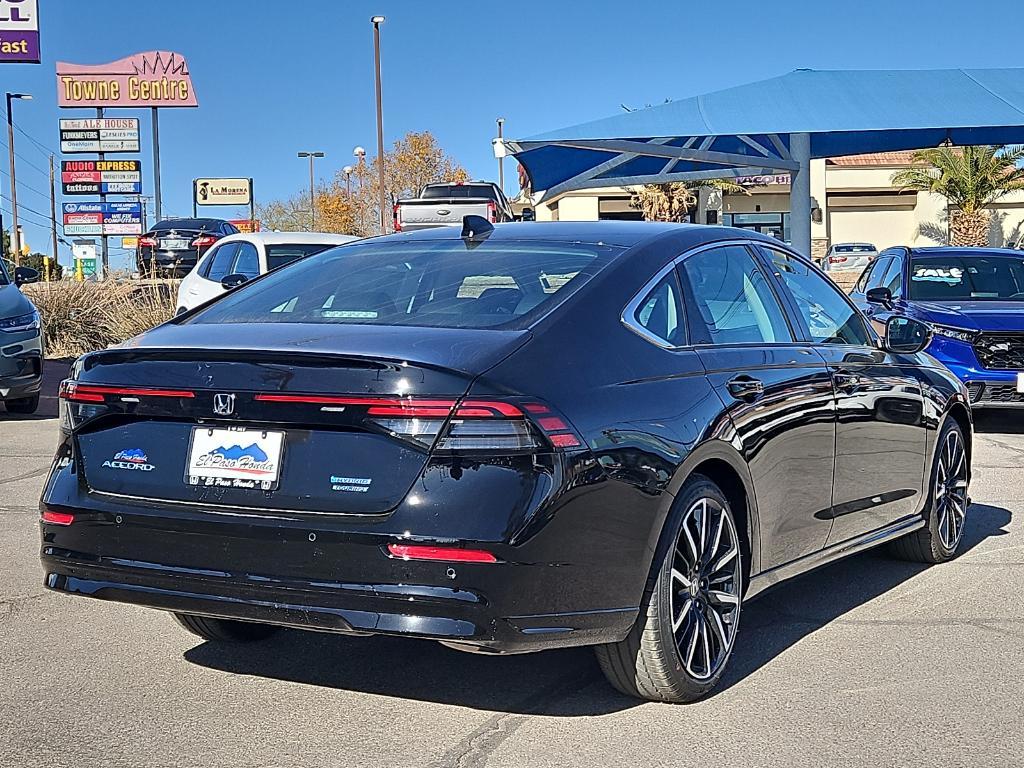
(82, 317)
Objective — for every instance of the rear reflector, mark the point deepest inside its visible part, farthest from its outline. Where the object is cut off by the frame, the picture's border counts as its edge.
(57, 518)
(447, 554)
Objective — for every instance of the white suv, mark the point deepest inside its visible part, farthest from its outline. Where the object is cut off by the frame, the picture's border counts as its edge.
(237, 258)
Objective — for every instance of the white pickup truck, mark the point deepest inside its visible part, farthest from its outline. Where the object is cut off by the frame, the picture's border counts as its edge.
(443, 205)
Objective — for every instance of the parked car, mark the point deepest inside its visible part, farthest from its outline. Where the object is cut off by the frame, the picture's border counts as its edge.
(971, 298)
(173, 246)
(239, 258)
(443, 205)
(525, 437)
(849, 256)
(21, 342)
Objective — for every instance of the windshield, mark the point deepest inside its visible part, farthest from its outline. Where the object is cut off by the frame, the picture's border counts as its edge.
(967, 278)
(280, 254)
(437, 283)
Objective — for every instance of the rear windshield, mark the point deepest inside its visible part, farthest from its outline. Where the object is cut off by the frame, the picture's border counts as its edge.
(278, 255)
(210, 225)
(855, 248)
(967, 278)
(437, 283)
(459, 190)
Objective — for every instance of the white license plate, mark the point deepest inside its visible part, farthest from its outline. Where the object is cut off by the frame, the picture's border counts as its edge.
(171, 244)
(1020, 382)
(235, 458)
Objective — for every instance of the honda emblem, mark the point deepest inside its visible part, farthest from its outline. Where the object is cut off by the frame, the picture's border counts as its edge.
(223, 404)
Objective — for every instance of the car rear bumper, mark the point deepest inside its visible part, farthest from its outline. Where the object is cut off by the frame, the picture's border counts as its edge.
(428, 600)
(176, 261)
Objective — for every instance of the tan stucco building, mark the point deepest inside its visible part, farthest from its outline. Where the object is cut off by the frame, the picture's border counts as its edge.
(853, 201)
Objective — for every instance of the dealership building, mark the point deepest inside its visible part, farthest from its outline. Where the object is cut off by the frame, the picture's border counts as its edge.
(853, 200)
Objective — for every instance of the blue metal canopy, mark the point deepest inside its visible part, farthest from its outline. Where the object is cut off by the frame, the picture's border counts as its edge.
(779, 124)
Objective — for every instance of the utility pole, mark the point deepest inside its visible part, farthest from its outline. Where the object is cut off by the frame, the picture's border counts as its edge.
(377, 21)
(501, 160)
(51, 269)
(15, 235)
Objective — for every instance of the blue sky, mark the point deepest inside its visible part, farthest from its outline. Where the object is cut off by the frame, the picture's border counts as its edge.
(273, 78)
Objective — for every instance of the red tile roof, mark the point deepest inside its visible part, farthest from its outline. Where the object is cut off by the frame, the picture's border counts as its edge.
(873, 159)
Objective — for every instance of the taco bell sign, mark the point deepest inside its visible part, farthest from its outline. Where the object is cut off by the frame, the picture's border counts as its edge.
(19, 31)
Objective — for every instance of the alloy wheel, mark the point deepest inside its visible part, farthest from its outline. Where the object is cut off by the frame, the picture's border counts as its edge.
(951, 490)
(705, 588)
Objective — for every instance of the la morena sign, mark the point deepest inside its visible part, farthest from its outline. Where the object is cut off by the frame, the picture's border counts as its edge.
(150, 79)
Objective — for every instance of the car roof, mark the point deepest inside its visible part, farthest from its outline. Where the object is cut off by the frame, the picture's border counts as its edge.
(939, 250)
(289, 238)
(621, 233)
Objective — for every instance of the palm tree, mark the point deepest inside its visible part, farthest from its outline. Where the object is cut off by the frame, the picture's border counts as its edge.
(673, 201)
(971, 179)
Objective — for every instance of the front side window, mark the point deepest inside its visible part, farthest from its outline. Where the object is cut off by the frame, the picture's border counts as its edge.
(436, 283)
(966, 277)
(829, 317)
(223, 258)
(280, 254)
(893, 279)
(878, 271)
(731, 298)
(660, 314)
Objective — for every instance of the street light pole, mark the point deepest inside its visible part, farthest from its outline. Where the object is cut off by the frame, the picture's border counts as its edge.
(501, 160)
(312, 193)
(377, 21)
(15, 234)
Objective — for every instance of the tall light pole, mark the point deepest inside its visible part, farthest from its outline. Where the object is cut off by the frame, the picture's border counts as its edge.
(360, 155)
(312, 194)
(377, 21)
(14, 184)
(501, 160)
(347, 170)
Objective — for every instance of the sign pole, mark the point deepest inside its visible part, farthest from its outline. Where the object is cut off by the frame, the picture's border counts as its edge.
(252, 208)
(156, 163)
(103, 199)
(50, 270)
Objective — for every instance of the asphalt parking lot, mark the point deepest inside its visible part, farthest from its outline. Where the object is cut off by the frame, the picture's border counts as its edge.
(871, 662)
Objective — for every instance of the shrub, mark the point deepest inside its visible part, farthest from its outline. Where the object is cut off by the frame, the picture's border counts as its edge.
(82, 317)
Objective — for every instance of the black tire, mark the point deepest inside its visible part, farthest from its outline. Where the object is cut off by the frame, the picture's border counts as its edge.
(933, 543)
(224, 630)
(650, 662)
(25, 405)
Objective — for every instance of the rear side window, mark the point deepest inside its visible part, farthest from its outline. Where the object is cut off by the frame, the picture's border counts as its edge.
(733, 302)
(279, 255)
(659, 314)
(437, 283)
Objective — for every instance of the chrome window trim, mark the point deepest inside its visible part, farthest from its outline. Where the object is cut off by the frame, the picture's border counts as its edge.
(628, 315)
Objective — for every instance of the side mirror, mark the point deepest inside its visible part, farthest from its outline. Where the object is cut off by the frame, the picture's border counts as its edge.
(906, 336)
(24, 275)
(233, 281)
(881, 296)
(529, 215)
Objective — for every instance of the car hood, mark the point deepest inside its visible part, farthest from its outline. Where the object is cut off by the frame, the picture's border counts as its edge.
(13, 302)
(996, 316)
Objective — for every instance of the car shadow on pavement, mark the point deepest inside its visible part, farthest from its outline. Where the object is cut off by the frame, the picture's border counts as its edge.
(1006, 421)
(565, 683)
(54, 372)
(780, 618)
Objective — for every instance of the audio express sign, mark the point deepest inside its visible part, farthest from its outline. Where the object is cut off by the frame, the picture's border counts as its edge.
(101, 177)
(118, 134)
(103, 218)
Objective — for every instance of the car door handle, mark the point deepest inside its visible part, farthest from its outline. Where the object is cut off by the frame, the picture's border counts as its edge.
(745, 388)
(846, 381)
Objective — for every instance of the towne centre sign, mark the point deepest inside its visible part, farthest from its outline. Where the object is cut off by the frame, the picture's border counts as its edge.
(151, 79)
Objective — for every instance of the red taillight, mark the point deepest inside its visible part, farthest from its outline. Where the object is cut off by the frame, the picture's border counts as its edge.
(398, 220)
(57, 518)
(836, 259)
(96, 393)
(492, 211)
(203, 240)
(148, 242)
(446, 554)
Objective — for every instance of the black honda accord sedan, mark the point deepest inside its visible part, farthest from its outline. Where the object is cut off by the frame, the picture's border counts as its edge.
(507, 439)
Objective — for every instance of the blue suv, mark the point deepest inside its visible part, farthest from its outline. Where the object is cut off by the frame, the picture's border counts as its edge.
(972, 298)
